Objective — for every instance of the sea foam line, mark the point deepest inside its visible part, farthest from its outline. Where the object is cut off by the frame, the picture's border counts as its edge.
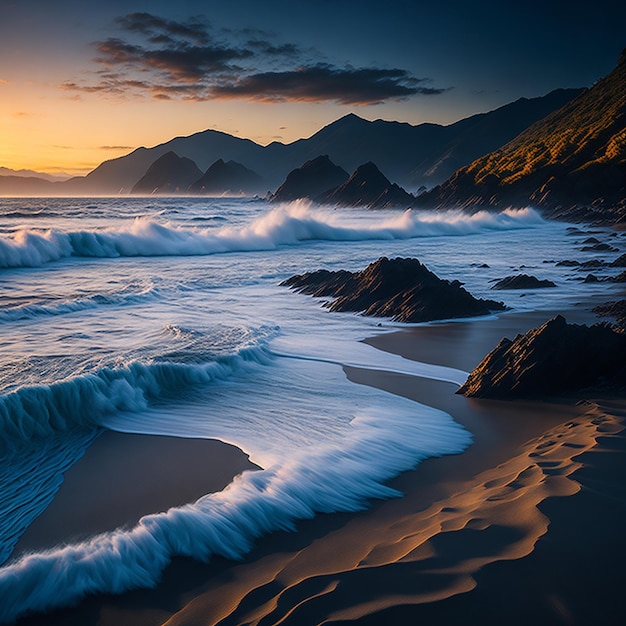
(285, 225)
(358, 354)
(338, 477)
(64, 307)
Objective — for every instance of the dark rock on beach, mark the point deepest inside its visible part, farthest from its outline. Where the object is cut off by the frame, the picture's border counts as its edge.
(522, 281)
(555, 359)
(599, 247)
(591, 278)
(400, 288)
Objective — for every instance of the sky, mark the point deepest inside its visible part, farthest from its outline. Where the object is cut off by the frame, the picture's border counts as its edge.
(83, 81)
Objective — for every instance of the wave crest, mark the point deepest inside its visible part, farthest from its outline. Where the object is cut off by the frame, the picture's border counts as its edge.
(83, 401)
(285, 225)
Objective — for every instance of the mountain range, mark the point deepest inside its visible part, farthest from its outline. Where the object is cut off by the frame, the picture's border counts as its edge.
(571, 164)
(412, 156)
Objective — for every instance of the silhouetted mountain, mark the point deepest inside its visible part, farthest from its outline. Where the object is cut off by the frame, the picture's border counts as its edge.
(230, 178)
(118, 176)
(312, 179)
(169, 174)
(426, 154)
(52, 178)
(572, 163)
(409, 155)
(369, 187)
(26, 186)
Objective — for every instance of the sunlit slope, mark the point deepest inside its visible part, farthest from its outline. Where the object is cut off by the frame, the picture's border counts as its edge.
(572, 163)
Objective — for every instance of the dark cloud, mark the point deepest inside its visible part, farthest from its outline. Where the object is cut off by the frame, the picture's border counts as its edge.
(356, 86)
(181, 61)
(169, 60)
(160, 30)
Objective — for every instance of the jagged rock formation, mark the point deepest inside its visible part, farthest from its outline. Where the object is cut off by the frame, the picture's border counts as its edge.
(169, 174)
(616, 310)
(522, 281)
(311, 180)
(554, 359)
(368, 187)
(229, 178)
(572, 163)
(402, 289)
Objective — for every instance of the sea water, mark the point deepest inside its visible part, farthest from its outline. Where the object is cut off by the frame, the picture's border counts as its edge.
(165, 316)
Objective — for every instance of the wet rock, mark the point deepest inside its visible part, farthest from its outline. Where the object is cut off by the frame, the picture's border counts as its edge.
(616, 310)
(400, 288)
(523, 281)
(555, 359)
(599, 247)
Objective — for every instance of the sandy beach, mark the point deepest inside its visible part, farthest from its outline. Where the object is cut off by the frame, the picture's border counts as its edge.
(525, 525)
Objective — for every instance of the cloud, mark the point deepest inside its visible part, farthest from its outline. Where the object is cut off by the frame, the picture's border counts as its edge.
(3, 82)
(189, 60)
(161, 30)
(356, 86)
(182, 61)
(115, 147)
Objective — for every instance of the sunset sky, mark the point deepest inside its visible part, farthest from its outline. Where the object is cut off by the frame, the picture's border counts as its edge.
(83, 81)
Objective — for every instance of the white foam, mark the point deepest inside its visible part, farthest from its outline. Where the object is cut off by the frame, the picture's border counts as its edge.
(358, 354)
(339, 476)
(285, 225)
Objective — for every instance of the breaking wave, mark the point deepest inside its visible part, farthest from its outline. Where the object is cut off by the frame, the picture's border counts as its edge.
(83, 401)
(340, 476)
(284, 225)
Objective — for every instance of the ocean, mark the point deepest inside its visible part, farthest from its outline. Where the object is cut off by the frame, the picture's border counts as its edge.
(165, 316)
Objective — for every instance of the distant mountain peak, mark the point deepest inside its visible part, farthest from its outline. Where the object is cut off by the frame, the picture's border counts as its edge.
(368, 186)
(169, 174)
(315, 177)
(228, 178)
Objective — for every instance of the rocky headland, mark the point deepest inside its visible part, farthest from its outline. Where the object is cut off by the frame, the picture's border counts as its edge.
(169, 174)
(228, 178)
(571, 164)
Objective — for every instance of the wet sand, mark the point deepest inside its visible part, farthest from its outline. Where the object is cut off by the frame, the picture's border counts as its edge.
(525, 526)
(125, 476)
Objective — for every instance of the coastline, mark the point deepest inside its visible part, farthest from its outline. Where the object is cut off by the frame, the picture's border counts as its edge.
(123, 476)
(461, 518)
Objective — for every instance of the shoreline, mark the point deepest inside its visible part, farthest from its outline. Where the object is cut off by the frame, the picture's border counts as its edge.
(355, 566)
(122, 477)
